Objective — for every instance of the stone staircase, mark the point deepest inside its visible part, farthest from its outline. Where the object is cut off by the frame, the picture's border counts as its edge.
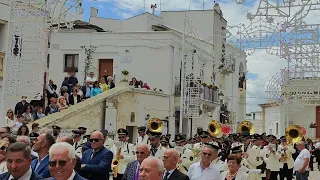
(111, 110)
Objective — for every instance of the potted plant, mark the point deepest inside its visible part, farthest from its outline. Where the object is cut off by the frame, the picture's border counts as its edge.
(210, 86)
(204, 84)
(124, 79)
(313, 125)
(125, 72)
(154, 89)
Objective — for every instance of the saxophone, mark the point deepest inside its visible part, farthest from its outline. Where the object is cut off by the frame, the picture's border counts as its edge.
(116, 161)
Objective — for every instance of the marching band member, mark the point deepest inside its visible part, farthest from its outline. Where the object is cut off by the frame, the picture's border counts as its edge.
(56, 131)
(156, 149)
(286, 160)
(108, 142)
(180, 142)
(164, 142)
(77, 142)
(143, 137)
(204, 137)
(216, 162)
(84, 131)
(251, 156)
(272, 154)
(123, 152)
(234, 172)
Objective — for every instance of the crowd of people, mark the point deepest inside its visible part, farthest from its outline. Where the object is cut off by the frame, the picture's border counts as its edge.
(47, 154)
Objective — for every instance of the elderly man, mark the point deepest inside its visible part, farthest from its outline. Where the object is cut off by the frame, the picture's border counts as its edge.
(151, 169)
(204, 169)
(18, 163)
(69, 139)
(96, 162)
(301, 164)
(132, 170)
(41, 146)
(26, 140)
(62, 162)
(171, 159)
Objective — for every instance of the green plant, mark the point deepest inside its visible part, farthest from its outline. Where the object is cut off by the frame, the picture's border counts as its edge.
(88, 60)
(160, 90)
(154, 89)
(204, 84)
(210, 86)
(124, 80)
(125, 72)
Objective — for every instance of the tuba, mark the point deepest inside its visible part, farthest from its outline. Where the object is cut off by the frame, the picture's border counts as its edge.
(294, 134)
(155, 125)
(116, 161)
(214, 128)
(246, 126)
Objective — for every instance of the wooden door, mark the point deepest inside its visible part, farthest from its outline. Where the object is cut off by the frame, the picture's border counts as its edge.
(105, 64)
(318, 121)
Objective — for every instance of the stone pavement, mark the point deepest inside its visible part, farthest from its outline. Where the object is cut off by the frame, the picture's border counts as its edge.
(314, 175)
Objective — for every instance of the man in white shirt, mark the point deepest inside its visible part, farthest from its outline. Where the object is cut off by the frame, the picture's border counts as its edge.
(143, 137)
(204, 169)
(91, 79)
(62, 162)
(301, 164)
(19, 152)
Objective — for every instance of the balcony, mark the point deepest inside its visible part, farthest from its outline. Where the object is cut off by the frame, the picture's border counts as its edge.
(228, 65)
(209, 96)
(1, 63)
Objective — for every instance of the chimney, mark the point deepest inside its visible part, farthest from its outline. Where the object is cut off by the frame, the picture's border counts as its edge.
(93, 12)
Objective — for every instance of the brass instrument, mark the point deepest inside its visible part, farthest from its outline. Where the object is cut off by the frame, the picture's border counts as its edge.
(294, 134)
(284, 156)
(246, 126)
(214, 128)
(155, 125)
(116, 161)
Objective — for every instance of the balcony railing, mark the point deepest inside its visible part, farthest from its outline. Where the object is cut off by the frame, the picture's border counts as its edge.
(209, 95)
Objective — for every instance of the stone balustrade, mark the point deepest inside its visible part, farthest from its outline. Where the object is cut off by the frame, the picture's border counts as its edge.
(92, 113)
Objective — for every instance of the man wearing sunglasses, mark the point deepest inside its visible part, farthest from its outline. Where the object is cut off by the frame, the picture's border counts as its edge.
(143, 137)
(62, 162)
(204, 169)
(96, 162)
(124, 153)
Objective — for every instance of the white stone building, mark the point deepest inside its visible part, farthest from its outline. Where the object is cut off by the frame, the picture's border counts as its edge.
(149, 47)
(255, 118)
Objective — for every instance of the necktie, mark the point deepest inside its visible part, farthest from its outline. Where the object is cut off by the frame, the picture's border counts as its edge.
(137, 173)
(92, 155)
(154, 151)
(166, 176)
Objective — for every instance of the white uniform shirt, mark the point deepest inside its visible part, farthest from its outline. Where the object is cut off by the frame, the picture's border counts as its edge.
(142, 140)
(127, 150)
(300, 159)
(197, 173)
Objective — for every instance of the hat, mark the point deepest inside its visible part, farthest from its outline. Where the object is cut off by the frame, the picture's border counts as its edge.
(141, 128)
(272, 137)
(122, 131)
(245, 134)
(33, 135)
(76, 132)
(168, 135)
(213, 145)
(104, 132)
(164, 139)
(88, 136)
(82, 128)
(154, 134)
(54, 127)
(236, 149)
(178, 137)
(283, 138)
(204, 134)
(255, 137)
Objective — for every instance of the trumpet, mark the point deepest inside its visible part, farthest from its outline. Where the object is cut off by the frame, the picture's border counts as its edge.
(284, 156)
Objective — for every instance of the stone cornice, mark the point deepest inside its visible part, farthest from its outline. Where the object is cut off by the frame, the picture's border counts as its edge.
(60, 116)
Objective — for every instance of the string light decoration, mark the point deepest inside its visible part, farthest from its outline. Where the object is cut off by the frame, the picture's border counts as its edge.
(31, 22)
(281, 28)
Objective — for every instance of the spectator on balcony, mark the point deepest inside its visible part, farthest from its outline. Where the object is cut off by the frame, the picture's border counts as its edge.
(23, 130)
(241, 80)
(86, 89)
(105, 76)
(95, 90)
(103, 85)
(9, 119)
(91, 79)
(74, 98)
(134, 82)
(39, 114)
(21, 106)
(72, 80)
(27, 115)
(110, 82)
(17, 124)
(51, 90)
(66, 84)
(79, 90)
(62, 103)
(145, 85)
(52, 107)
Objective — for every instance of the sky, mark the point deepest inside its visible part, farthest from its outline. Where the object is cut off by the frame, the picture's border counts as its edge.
(261, 66)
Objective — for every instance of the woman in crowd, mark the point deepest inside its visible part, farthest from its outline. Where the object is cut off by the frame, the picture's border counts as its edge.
(62, 103)
(52, 107)
(233, 173)
(39, 114)
(95, 90)
(3, 164)
(79, 90)
(27, 115)
(9, 119)
(103, 85)
(23, 131)
(74, 98)
(110, 82)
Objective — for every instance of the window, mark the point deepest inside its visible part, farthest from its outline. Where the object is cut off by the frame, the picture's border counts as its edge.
(132, 117)
(71, 62)
(48, 61)
(254, 116)
(277, 128)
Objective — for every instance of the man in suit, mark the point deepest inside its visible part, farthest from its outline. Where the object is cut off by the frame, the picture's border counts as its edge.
(42, 145)
(171, 159)
(19, 152)
(132, 170)
(69, 140)
(151, 169)
(96, 162)
(62, 162)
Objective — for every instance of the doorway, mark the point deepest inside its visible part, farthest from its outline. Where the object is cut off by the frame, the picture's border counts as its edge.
(131, 133)
(105, 65)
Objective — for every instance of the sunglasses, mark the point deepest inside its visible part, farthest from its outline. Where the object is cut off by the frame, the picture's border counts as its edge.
(95, 140)
(61, 163)
(206, 154)
(139, 152)
(3, 148)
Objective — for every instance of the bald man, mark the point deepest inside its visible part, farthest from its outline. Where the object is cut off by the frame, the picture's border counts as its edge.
(171, 159)
(151, 169)
(132, 170)
(96, 162)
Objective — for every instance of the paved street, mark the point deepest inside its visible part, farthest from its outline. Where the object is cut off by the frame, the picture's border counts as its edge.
(314, 175)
